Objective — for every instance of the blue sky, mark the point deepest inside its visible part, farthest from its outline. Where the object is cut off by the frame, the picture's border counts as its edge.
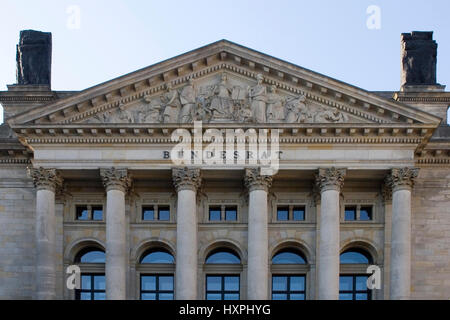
(118, 37)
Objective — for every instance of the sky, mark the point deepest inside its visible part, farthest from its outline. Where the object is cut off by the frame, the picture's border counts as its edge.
(355, 41)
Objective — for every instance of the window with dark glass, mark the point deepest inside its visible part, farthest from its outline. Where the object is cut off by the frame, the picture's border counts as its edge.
(214, 213)
(222, 287)
(283, 213)
(148, 213)
(163, 213)
(230, 213)
(82, 212)
(92, 287)
(157, 287)
(153, 213)
(350, 213)
(88, 212)
(92, 284)
(353, 286)
(288, 287)
(97, 213)
(298, 213)
(365, 213)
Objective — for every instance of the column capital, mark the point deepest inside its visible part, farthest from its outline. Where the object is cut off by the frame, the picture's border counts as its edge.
(186, 178)
(401, 178)
(115, 179)
(330, 178)
(46, 179)
(254, 180)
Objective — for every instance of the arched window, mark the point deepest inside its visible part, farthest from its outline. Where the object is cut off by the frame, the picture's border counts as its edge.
(223, 256)
(157, 256)
(156, 277)
(288, 257)
(91, 255)
(355, 256)
(92, 264)
(225, 284)
(289, 275)
(353, 277)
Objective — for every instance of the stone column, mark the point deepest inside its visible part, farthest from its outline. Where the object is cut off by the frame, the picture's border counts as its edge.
(330, 182)
(116, 182)
(258, 245)
(47, 181)
(401, 181)
(186, 182)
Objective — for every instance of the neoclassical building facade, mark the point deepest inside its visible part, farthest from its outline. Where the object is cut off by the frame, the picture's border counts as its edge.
(88, 178)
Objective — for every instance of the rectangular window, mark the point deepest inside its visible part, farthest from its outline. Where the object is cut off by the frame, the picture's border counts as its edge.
(88, 212)
(97, 213)
(350, 213)
(164, 213)
(222, 287)
(288, 287)
(365, 214)
(230, 213)
(92, 287)
(298, 213)
(157, 287)
(82, 213)
(354, 287)
(283, 213)
(148, 213)
(214, 213)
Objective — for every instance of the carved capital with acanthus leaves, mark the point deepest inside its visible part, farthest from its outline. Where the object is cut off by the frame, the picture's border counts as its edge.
(186, 178)
(401, 178)
(330, 179)
(115, 179)
(254, 180)
(46, 179)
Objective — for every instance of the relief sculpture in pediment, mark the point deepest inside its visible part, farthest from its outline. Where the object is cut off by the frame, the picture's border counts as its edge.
(225, 101)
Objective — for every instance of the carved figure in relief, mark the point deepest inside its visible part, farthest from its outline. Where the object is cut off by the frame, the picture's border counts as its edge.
(275, 106)
(333, 115)
(118, 115)
(221, 102)
(258, 98)
(150, 112)
(188, 101)
(296, 110)
(172, 105)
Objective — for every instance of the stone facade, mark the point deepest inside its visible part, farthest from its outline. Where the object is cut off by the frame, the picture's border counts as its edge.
(340, 146)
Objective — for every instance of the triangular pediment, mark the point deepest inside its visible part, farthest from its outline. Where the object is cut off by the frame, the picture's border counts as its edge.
(219, 83)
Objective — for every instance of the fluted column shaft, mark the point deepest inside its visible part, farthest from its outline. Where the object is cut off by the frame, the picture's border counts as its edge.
(186, 182)
(116, 182)
(258, 255)
(46, 181)
(401, 181)
(330, 182)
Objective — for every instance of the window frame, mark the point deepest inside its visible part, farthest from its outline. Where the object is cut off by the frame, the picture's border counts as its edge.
(222, 291)
(358, 206)
(156, 208)
(290, 207)
(92, 291)
(223, 208)
(354, 292)
(156, 291)
(90, 218)
(288, 293)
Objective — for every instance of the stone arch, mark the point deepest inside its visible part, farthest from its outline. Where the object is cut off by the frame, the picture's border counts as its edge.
(76, 246)
(294, 244)
(364, 244)
(151, 243)
(222, 243)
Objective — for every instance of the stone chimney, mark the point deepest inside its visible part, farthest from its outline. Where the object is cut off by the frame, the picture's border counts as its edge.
(34, 58)
(419, 52)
